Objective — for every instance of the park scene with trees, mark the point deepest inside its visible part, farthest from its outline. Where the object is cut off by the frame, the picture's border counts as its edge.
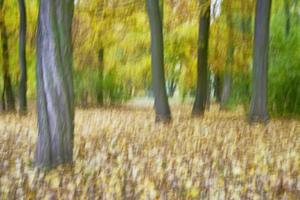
(149, 99)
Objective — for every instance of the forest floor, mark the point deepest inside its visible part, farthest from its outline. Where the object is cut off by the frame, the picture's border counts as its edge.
(120, 153)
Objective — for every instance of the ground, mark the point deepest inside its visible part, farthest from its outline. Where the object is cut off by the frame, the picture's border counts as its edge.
(120, 153)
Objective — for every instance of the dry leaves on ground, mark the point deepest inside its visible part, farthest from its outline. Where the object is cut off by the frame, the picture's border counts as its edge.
(120, 153)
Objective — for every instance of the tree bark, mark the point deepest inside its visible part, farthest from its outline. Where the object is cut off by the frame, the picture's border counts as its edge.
(22, 58)
(202, 75)
(8, 99)
(258, 107)
(227, 81)
(208, 92)
(161, 8)
(288, 17)
(218, 87)
(172, 87)
(55, 84)
(226, 89)
(161, 104)
(100, 95)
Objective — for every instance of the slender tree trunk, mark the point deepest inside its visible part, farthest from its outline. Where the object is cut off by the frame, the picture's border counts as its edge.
(55, 84)
(288, 17)
(258, 107)
(2, 103)
(101, 71)
(217, 77)
(22, 57)
(226, 89)
(208, 92)
(218, 87)
(8, 99)
(161, 104)
(202, 80)
(297, 17)
(161, 8)
(229, 61)
(246, 29)
(172, 87)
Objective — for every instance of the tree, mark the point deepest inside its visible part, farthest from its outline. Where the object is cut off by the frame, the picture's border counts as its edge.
(22, 57)
(288, 17)
(161, 104)
(55, 84)
(227, 82)
(217, 87)
(100, 95)
(8, 99)
(258, 107)
(161, 8)
(209, 88)
(202, 76)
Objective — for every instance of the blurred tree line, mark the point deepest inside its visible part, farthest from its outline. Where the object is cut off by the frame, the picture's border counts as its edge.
(112, 61)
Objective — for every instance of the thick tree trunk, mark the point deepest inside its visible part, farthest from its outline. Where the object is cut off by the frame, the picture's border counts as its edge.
(258, 107)
(202, 75)
(8, 99)
(55, 84)
(22, 58)
(100, 100)
(157, 58)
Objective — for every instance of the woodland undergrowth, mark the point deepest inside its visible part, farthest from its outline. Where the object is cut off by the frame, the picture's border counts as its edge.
(121, 153)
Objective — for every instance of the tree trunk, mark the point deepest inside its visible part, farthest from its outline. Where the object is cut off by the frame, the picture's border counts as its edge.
(161, 104)
(288, 17)
(296, 2)
(229, 60)
(217, 77)
(100, 95)
(226, 89)
(161, 8)
(218, 87)
(8, 99)
(258, 107)
(172, 87)
(22, 57)
(208, 92)
(202, 82)
(55, 84)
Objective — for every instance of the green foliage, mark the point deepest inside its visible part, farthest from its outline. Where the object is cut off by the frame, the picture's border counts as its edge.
(113, 88)
(240, 90)
(284, 60)
(88, 85)
(284, 72)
